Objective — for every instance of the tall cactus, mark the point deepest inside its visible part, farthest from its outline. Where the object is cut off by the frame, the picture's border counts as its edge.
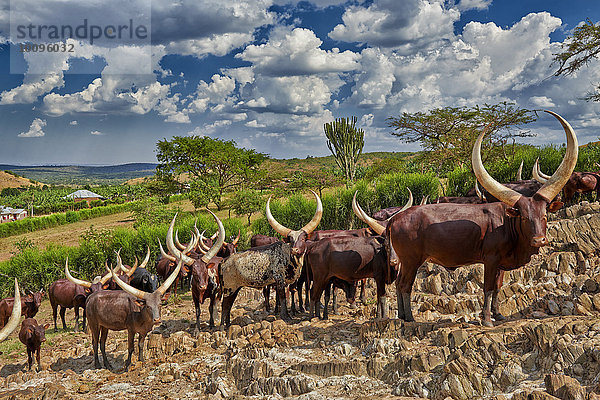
(345, 143)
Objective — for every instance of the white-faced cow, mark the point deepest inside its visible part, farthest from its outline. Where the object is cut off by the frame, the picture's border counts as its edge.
(279, 263)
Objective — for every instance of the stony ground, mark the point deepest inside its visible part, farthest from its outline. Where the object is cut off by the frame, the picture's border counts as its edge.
(548, 348)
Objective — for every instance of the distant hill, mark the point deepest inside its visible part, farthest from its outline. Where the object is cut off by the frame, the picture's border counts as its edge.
(135, 173)
(8, 180)
(80, 175)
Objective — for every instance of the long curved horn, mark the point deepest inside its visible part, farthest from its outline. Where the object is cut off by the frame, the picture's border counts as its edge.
(409, 204)
(373, 223)
(105, 278)
(535, 172)
(164, 254)
(177, 242)
(145, 262)
(214, 235)
(479, 192)
(203, 245)
(166, 284)
(499, 191)
(218, 243)
(312, 225)
(171, 246)
(559, 178)
(194, 240)
(520, 172)
(132, 269)
(282, 230)
(355, 209)
(237, 238)
(76, 281)
(199, 246)
(597, 165)
(424, 200)
(13, 321)
(127, 288)
(120, 266)
(540, 173)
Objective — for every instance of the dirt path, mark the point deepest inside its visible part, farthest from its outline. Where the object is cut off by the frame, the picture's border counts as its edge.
(67, 235)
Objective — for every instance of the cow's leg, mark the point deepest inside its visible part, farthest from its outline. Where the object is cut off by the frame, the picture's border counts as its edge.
(489, 284)
(267, 295)
(281, 301)
(103, 336)
(29, 357)
(301, 284)
(226, 305)
(54, 309)
(37, 357)
(334, 302)
(76, 318)
(141, 338)
(196, 301)
(130, 340)
(62, 316)
(315, 298)
(404, 284)
(498, 285)
(363, 296)
(382, 307)
(83, 329)
(326, 296)
(95, 329)
(212, 310)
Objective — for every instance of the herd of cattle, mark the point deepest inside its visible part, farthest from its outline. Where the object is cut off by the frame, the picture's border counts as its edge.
(501, 226)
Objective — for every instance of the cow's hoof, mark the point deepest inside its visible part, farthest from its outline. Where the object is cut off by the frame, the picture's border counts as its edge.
(487, 323)
(499, 317)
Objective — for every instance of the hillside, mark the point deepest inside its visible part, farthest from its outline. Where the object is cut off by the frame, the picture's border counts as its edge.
(80, 174)
(8, 180)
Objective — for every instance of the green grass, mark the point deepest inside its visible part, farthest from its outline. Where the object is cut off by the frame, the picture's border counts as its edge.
(9, 346)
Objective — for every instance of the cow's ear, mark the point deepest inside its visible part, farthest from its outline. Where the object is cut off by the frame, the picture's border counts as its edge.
(513, 212)
(46, 326)
(555, 206)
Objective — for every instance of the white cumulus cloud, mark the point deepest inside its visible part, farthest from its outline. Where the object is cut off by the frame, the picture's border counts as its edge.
(36, 129)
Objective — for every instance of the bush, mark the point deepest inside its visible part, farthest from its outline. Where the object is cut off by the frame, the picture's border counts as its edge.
(36, 268)
(389, 190)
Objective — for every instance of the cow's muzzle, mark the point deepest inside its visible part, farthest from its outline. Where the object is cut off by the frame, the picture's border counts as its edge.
(296, 251)
(157, 321)
(539, 241)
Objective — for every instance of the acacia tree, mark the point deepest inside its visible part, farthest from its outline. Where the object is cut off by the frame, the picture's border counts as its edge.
(210, 163)
(578, 50)
(247, 202)
(345, 142)
(447, 134)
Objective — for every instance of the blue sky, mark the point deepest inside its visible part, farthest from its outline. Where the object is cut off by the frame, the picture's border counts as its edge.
(269, 73)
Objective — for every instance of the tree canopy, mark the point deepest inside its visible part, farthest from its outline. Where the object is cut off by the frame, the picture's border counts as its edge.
(447, 134)
(578, 50)
(213, 164)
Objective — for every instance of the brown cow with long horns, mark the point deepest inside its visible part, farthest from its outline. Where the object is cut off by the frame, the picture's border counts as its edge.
(129, 309)
(503, 236)
(204, 271)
